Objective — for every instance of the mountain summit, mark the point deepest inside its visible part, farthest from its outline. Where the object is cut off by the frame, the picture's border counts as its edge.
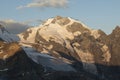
(61, 48)
(74, 43)
(58, 28)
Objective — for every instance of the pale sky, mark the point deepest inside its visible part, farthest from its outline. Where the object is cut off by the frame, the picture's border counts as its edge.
(97, 14)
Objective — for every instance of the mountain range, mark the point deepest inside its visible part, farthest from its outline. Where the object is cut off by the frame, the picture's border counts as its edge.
(61, 48)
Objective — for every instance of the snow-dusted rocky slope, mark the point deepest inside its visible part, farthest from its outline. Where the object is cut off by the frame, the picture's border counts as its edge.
(25, 63)
(71, 41)
(48, 62)
(60, 47)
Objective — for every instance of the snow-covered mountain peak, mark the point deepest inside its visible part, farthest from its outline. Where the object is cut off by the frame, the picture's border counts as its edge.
(71, 26)
(58, 29)
(62, 21)
(63, 44)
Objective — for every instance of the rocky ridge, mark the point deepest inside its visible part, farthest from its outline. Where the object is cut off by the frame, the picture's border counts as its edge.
(67, 47)
(76, 44)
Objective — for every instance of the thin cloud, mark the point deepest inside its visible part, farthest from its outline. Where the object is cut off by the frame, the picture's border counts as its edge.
(13, 26)
(45, 3)
(34, 21)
